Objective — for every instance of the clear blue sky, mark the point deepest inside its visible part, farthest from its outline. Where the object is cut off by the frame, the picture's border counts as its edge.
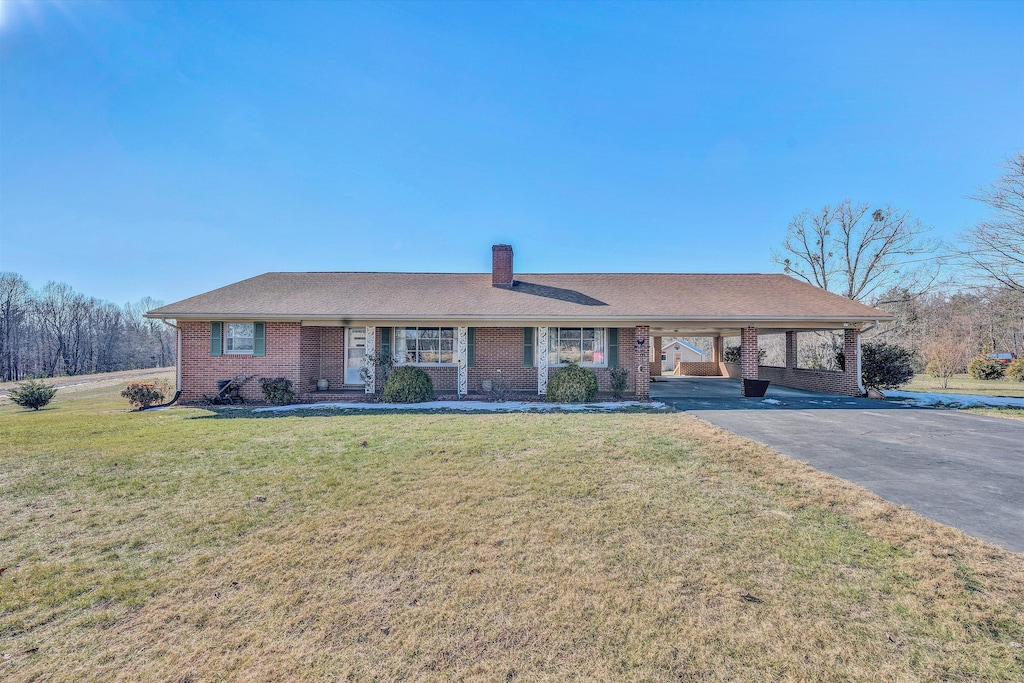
(164, 149)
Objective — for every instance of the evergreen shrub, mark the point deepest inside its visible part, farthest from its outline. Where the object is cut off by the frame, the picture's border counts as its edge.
(408, 384)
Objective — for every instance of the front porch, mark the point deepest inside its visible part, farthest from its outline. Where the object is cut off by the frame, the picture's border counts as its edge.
(464, 361)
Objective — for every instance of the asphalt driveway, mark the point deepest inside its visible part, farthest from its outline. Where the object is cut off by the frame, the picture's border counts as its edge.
(956, 468)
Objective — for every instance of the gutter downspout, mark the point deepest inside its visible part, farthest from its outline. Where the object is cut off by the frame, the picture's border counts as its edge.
(860, 372)
(177, 354)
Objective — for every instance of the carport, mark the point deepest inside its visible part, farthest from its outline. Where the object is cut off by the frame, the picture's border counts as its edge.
(845, 382)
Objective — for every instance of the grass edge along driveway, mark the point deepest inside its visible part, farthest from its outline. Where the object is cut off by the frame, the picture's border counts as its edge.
(180, 545)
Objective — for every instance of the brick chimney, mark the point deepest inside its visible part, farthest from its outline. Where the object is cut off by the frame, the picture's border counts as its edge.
(501, 265)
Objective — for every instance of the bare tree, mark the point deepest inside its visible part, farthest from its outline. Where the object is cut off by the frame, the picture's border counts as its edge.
(948, 354)
(15, 306)
(994, 247)
(63, 314)
(858, 253)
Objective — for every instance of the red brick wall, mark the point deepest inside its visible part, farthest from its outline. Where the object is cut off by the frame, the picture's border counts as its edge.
(627, 359)
(501, 348)
(332, 355)
(827, 381)
(697, 369)
(305, 354)
(200, 371)
(748, 353)
(444, 378)
(309, 358)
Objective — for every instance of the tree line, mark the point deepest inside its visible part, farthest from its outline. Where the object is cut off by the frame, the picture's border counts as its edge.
(55, 330)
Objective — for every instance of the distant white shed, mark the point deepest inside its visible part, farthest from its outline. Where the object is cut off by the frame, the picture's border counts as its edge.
(681, 352)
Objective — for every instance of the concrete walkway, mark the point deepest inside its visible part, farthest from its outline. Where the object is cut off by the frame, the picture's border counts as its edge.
(956, 468)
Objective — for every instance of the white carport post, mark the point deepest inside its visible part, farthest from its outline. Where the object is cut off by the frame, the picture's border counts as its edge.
(368, 360)
(462, 360)
(542, 360)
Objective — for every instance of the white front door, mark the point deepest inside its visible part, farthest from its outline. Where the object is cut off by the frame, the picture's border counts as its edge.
(355, 353)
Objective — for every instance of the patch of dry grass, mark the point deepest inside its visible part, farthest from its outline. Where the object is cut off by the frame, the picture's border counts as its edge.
(965, 384)
(78, 383)
(1012, 413)
(176, 545)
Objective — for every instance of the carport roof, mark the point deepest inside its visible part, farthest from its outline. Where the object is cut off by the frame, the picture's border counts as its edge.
(662, 299)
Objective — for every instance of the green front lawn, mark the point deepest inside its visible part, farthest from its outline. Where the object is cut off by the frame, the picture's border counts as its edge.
(186, 544)
(965, 384)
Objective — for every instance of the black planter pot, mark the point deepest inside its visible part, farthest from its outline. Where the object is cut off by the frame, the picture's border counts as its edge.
(755, 388)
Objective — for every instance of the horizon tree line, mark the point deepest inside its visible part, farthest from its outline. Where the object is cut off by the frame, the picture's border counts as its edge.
(54, 331)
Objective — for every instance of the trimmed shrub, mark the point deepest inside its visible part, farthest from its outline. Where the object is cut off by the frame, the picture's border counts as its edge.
(33, 394)
(885, 366)
(278, 390)
(572, 384)
(983, 367)
(142, 394)
(619, 379)
(1015, 370)
(408, 384)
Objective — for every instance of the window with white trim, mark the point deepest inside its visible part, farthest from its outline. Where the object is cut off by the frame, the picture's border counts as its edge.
(581, 345)
(425, 345)
(240, 338)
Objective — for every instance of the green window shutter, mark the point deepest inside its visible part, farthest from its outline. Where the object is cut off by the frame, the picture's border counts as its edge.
(259, 339)
(471, 347)
(216, 339)
(527, 347)
(613, 347)
(385, 342)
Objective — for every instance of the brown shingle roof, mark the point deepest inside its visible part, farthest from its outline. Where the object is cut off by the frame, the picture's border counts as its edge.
(630, 297)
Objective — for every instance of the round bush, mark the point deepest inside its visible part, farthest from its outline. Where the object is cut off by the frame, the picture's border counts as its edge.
(408, 384)
(1015, 370)
(572, 384)
(983, 367)
(620, 381)
(33, 394)
(278, 390)
(142, 394)
(885, 366)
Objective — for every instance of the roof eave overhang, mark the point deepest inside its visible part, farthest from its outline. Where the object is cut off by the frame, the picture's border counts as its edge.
(668, 321)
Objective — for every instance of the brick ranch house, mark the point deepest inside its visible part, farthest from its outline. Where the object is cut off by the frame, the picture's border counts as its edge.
(468, 329)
